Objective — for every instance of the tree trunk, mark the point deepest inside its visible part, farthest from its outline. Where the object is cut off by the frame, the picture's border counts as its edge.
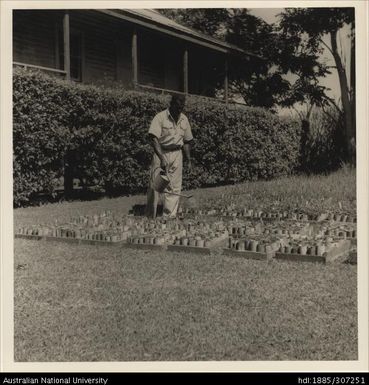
(345, 97)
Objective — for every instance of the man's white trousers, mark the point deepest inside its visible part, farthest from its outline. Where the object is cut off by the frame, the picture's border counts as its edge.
(170, 202)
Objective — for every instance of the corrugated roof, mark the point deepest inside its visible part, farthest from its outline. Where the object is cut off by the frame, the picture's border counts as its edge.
(155, 18)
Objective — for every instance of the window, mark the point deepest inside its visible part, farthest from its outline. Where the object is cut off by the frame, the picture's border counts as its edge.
(76, 56)
(76, 49)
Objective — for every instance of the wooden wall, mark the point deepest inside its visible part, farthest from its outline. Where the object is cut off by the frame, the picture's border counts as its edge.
(34, 37)
(106, 43)
(160, 61)
(174, 66)
(107, 47)
(206, 70)
(107, 50)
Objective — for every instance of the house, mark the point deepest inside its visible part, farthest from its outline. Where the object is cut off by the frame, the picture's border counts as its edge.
(134, 48)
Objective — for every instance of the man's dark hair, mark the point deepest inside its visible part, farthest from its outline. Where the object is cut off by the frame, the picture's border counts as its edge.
(178, 99)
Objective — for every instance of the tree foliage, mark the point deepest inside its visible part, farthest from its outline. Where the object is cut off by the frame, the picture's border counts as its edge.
(292, 68)
(261, 82)
(210, 21)
(305, 30)
(249, 75)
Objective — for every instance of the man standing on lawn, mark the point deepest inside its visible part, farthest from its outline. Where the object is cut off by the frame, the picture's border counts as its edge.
(170, 134)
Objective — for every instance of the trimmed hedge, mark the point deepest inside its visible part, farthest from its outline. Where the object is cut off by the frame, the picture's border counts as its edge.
(102, 134)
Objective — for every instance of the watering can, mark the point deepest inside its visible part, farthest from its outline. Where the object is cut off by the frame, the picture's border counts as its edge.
(160, 183)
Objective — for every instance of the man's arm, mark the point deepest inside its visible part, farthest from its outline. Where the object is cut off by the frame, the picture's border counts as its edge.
(158, 151)
(187, 152)
(187, 141)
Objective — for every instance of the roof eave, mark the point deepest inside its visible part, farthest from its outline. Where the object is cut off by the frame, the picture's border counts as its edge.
(203, 40)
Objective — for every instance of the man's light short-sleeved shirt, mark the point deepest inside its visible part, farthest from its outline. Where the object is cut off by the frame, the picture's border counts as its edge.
(168, 132)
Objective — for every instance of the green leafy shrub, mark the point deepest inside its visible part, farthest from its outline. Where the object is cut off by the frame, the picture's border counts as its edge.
(102, 134)
(40, 119)
(236, 144)
(325, 143)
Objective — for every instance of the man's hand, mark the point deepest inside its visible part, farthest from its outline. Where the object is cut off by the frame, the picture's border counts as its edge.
(164, 164)
(157, 149)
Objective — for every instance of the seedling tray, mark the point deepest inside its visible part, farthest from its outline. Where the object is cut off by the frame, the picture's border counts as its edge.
(28, 236)
(190, 249)
(353, 240)
(248, 254)
(82, 241)
(145, 246)
(335, 221)
(336, 253)
(101, 243)
(69, 240)
(66, 240)
(300, 257)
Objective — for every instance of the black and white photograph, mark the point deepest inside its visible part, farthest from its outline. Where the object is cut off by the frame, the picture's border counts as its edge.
(185, 183)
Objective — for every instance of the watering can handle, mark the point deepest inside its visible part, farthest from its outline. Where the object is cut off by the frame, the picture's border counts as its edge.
(170, 185)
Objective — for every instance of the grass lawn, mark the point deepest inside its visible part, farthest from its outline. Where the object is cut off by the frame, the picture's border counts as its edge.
(89, 303)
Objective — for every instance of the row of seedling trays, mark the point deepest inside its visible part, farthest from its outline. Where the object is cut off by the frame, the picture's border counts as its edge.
(180, 241)
(197, 211)
(121, 232)
(341, 233)
(324, 250)
(282, 229)
(341, 217)
(257, 214)
(261, 249)
(176, 226)
(70, 234)
(111, 221)
(91, 221)
(233, 211)
(244, 228)
(195, 241)
(147, 240)
(187, 234)
(260, 246)
(289, 232)
(201, 242)
(77, 229)
(306, 248)
(143, 225)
